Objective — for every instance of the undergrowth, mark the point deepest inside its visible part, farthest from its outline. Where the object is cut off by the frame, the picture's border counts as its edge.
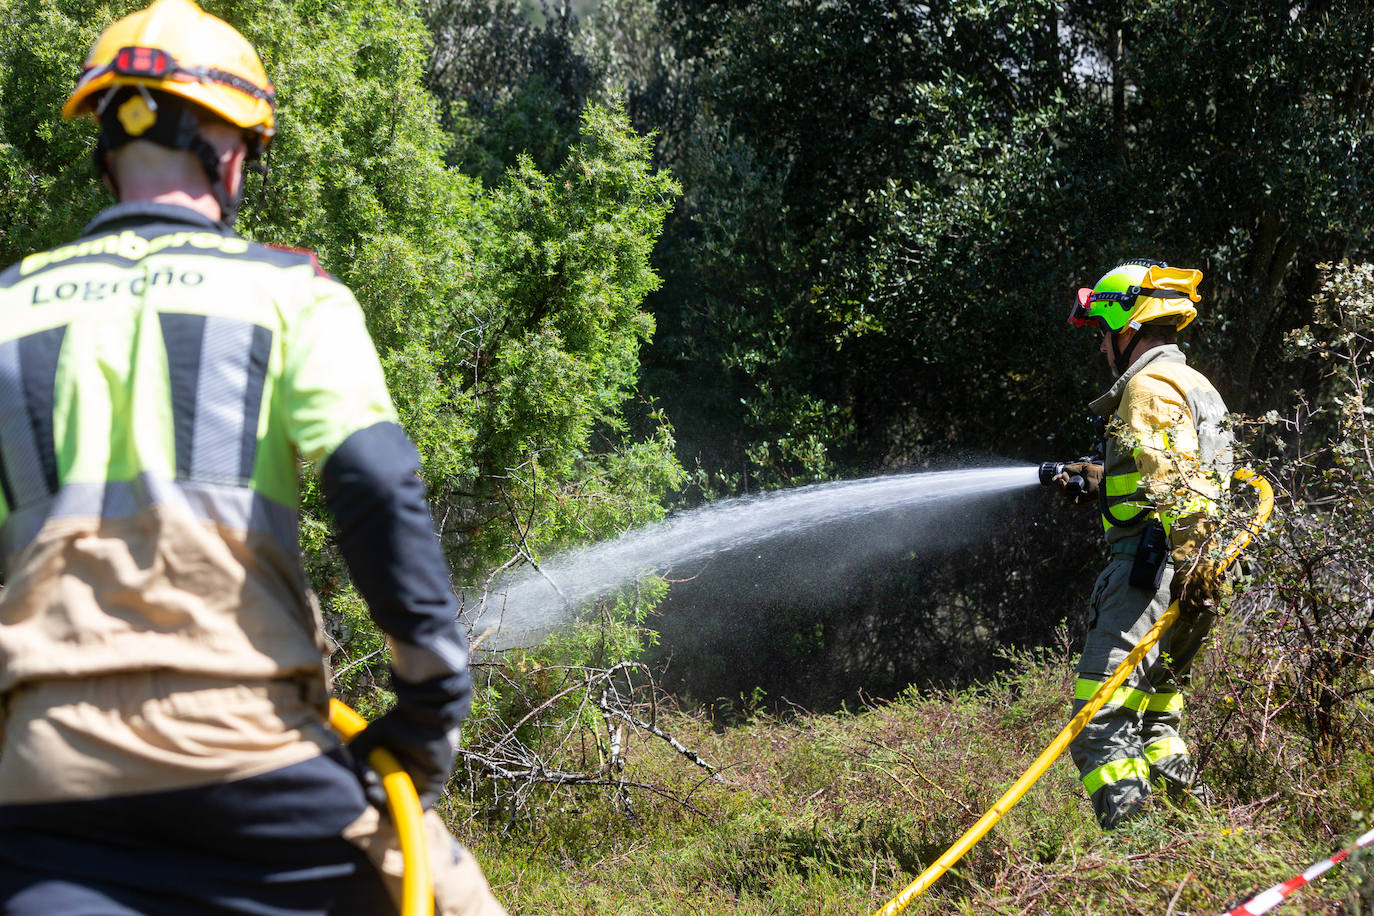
(837, 813)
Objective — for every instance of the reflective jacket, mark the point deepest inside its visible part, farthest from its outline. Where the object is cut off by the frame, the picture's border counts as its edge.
(160, 380)
(1167, 452)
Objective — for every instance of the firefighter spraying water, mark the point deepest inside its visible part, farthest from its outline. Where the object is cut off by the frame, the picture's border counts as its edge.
(1154, 480)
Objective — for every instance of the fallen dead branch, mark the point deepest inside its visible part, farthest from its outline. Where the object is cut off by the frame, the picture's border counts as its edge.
(569, 729)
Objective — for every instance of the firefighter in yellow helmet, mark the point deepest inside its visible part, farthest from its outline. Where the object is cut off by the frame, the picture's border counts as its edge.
(164, 74)
(1164, 457)
(165, 746)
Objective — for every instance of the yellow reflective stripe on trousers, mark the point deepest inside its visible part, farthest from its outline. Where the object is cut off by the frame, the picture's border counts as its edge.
(1172, 746)
(1084, 688)
(1114, 772)
(1165, 701)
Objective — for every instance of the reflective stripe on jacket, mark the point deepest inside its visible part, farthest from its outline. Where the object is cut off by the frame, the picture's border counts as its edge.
(1167, 450)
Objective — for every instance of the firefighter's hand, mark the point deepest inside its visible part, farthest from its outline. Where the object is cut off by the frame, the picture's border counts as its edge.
(1199, 581)
(1198, 587)
(1080, 481)
(420, 740)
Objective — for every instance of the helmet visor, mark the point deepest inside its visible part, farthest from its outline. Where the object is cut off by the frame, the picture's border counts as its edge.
(1079, 314)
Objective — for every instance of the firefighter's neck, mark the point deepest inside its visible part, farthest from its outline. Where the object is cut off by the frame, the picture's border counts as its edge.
(142, 171)
(1129, 346)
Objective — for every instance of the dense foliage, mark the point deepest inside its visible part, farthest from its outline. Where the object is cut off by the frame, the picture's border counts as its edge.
(1309, 603)
(672, 250)
(933, 180)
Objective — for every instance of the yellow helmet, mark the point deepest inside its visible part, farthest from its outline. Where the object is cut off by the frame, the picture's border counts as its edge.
(176, 47)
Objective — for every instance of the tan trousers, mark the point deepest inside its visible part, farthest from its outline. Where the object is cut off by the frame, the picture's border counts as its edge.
(460, 888)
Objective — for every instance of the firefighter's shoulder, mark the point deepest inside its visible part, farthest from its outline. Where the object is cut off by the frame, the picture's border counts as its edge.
(289, 254)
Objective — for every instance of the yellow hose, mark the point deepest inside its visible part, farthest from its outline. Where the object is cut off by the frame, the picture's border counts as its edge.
(417, 889)
(1056, 747)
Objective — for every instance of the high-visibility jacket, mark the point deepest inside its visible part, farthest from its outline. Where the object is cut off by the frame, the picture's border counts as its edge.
(1167, 451)
(160, 380)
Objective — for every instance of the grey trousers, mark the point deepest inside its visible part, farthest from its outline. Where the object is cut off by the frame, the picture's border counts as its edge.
(1133, 741)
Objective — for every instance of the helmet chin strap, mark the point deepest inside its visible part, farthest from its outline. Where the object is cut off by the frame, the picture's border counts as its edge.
(209, 161)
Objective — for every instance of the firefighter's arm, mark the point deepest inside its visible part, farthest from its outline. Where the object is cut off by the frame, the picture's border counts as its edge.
(372, 487)
(343, 420)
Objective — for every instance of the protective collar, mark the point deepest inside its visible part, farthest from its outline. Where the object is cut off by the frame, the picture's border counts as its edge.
(137, 212)
(1107, 404)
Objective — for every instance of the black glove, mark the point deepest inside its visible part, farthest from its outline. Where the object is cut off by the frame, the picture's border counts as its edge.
(1080, 481)
(421, 732)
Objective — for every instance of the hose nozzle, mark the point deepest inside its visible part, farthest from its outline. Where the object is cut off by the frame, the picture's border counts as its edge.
(1074, 487)
(1050, 470)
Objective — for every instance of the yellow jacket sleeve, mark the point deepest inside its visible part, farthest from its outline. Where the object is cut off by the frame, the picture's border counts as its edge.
(333, 381)
(1159, 428)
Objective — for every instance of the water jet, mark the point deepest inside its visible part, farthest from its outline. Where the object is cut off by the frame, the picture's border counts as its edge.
(523, 607)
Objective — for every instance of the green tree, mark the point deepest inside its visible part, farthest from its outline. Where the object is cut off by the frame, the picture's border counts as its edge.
(886, 205)
(540, 351)
(509, 86)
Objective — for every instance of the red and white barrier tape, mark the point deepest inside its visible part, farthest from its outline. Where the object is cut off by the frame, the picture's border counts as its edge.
(1263, 903)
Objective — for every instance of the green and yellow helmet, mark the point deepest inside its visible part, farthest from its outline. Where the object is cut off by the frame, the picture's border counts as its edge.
(1137, 292)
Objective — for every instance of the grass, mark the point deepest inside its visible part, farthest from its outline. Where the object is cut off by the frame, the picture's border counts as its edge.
(837, 813)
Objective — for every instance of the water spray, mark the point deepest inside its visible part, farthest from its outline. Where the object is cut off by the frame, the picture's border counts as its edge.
(539, 598)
